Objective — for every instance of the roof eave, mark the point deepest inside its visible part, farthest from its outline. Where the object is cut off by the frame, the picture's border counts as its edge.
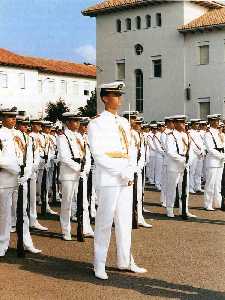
(201, 28)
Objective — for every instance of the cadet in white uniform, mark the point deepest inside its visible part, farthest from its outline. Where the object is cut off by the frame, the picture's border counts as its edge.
(215, 158)
(150, 170)
(160, 152)
(177, 147)
(70, 155)
(109, 138)
(197, 153)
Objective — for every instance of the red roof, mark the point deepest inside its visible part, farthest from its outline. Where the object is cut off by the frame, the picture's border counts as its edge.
(213, 18)
(110, 5)
(46, 65)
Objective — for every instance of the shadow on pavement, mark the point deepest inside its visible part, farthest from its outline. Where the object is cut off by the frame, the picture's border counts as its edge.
(82, 272)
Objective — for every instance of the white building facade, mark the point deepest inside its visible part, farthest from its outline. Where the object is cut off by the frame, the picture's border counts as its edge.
(170, 58)
(30, 85)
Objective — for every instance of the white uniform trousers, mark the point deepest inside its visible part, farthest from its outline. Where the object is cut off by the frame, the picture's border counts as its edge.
(212, 195)
(141, 219)
(93, 202)
(152, 164)
(158, 171)
(195, 174)
(33, 205)
(69, 188)
(175, 178)
(114, 203)
(163, 185)
(87, 229)
(5, 218)
(26, 232)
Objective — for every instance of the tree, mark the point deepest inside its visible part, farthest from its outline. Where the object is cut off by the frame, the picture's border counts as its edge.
(90, 109)
(55, 110)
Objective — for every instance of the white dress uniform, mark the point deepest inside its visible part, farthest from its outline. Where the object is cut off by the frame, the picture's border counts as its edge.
(177, 146)
(23, 142)
(164, 186)
(160, 151)
(215, 158)
(197, 152)
(9, 172)
(69, 175)
(109, 138)
(150, 170)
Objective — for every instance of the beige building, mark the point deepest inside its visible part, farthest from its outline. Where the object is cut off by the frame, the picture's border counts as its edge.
(30, 83)
(171, 54)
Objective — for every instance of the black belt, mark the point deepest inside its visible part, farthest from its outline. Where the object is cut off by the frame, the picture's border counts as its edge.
(77, 160)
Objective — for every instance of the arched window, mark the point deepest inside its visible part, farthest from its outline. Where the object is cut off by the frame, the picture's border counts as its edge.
(128, 24)
(148, 21)
(118, 25)
(139, 49)
(138, 22)
(139, 90)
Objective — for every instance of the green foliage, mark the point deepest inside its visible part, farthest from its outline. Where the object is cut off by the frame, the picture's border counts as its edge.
(90, 109)
(55, 110)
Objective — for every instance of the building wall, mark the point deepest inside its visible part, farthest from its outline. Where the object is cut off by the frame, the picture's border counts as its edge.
(33, 98)
(207, 81)
(162, 96)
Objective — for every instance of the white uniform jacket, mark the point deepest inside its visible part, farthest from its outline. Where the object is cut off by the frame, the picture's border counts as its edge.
(177, 146)
(158, 145)
(9, 164)
(213, 139)
(69, 169)
(111, 150)
(197, 147)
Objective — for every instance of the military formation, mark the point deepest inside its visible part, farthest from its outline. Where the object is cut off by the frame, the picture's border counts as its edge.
(97, 169)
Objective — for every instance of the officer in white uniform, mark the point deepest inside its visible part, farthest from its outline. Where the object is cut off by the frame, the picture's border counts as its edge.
(70, 152)
(178, 145)
(160, 152)
(215, 158)
(109, 138)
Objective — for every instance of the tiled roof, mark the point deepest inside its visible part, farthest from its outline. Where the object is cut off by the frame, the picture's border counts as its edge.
(110, 5)
(213, 18)
(46, 65)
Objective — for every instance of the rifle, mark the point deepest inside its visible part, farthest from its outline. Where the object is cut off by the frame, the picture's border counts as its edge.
(80, 209)
(223, 190)
(44, 186)
(135, 213)
(184, 187)
(176, 204)
(54, 184)
(89, 191)
(28, 198)
(19, 211)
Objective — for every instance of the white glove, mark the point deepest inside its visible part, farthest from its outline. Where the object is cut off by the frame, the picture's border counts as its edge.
(83, 174)
(21, 180)
(127, 174)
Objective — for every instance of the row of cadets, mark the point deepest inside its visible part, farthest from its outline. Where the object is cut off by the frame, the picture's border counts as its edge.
(37, 151)
(15, 151)
(215, 158)
(178, 148)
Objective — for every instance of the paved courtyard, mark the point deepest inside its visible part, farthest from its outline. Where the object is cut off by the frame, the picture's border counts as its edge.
(185, 260)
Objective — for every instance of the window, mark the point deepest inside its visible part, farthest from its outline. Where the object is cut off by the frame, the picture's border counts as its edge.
(139, 49)
(138, 22)
(75, 88)
(157, 68)
(128, 24)
(21, 77)
(51, 86)
(120, 70)
(139, 90)
(86, 89)
(148, 21)
(39, 86)
(3, 80)
(204, 55)
(118, 26)
(64, 87)
(204, 108)
(158, 19)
